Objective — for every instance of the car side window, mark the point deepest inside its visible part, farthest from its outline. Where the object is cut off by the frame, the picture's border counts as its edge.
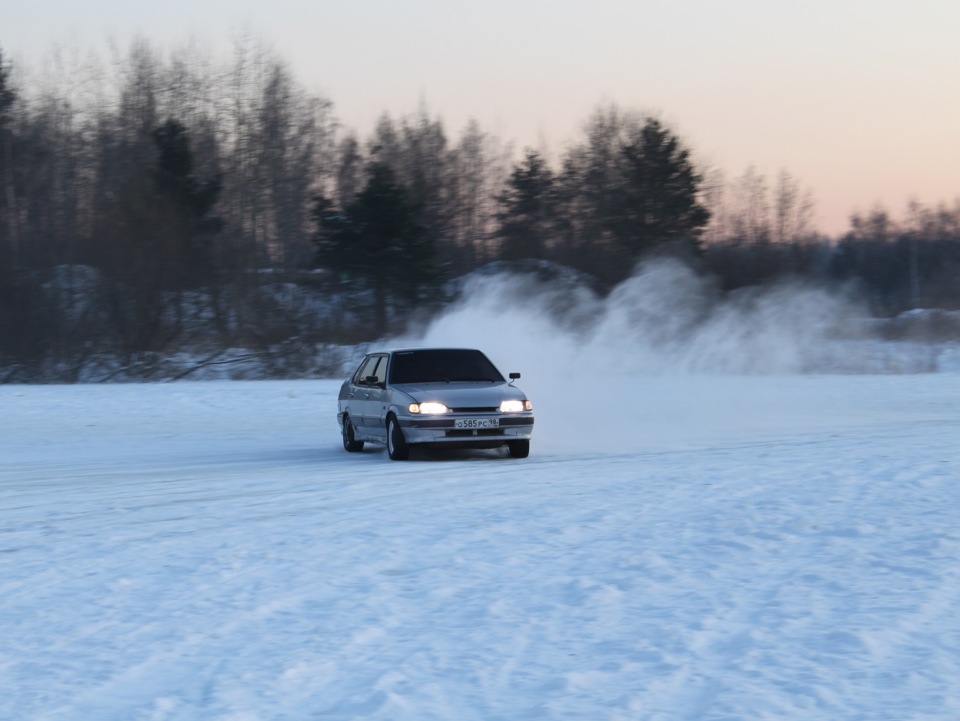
(381, 370)
(365, 369)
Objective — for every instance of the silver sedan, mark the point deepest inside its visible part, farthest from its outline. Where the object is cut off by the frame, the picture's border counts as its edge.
(440, 397)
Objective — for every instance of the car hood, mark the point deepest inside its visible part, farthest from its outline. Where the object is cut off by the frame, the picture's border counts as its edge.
(462, 394)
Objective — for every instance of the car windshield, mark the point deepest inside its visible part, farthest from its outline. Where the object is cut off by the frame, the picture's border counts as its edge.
(442, 366)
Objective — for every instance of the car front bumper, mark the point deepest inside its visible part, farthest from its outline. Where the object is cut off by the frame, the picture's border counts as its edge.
(443, 430)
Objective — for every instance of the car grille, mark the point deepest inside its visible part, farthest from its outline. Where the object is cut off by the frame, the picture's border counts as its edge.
(476, 409)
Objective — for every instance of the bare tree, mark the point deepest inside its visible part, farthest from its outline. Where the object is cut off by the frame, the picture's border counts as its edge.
(474, 178)
(280, 149)
(792, 211)
(751, 210)
(716, 198)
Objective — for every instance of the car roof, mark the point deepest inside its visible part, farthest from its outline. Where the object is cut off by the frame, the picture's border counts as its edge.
(408, 350)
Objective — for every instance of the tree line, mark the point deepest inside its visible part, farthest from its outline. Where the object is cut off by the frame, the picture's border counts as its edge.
(162, 202)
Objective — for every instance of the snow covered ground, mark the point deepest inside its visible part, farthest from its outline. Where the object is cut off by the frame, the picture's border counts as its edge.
(702, 548)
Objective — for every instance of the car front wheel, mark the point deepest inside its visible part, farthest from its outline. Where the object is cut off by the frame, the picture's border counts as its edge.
(397, 447)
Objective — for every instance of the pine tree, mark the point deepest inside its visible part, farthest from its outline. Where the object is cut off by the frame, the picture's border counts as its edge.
(528, 209)
(188, 200)
(626, 190)
(375, 243)
(661, 191)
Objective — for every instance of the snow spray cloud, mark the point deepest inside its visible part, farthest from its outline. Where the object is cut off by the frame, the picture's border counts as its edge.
(639, 367)
(664, 320)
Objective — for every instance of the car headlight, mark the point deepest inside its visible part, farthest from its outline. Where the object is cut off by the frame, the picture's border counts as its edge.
(428, 407)
(515, 406)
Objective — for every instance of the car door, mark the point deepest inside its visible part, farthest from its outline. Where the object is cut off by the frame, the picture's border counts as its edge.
(358, 394)
(374, 398)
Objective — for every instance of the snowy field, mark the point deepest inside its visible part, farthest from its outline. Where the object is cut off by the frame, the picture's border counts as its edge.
(735, 509)
(702, 548)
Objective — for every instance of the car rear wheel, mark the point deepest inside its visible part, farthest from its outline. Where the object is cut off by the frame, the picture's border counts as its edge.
(350, 443)
(519, 449)
(397, 447)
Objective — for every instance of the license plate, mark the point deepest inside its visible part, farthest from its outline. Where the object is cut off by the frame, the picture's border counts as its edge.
(476, 423)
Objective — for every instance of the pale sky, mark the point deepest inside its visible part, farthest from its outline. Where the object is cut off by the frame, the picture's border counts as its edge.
(857, 99)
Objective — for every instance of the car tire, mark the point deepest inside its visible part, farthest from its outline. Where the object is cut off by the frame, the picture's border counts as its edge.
(397, 447)
(519, 449)
(350, 443)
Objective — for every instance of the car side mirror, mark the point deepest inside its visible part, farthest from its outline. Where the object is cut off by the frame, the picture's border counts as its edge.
(371, 381)
(514, 376)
